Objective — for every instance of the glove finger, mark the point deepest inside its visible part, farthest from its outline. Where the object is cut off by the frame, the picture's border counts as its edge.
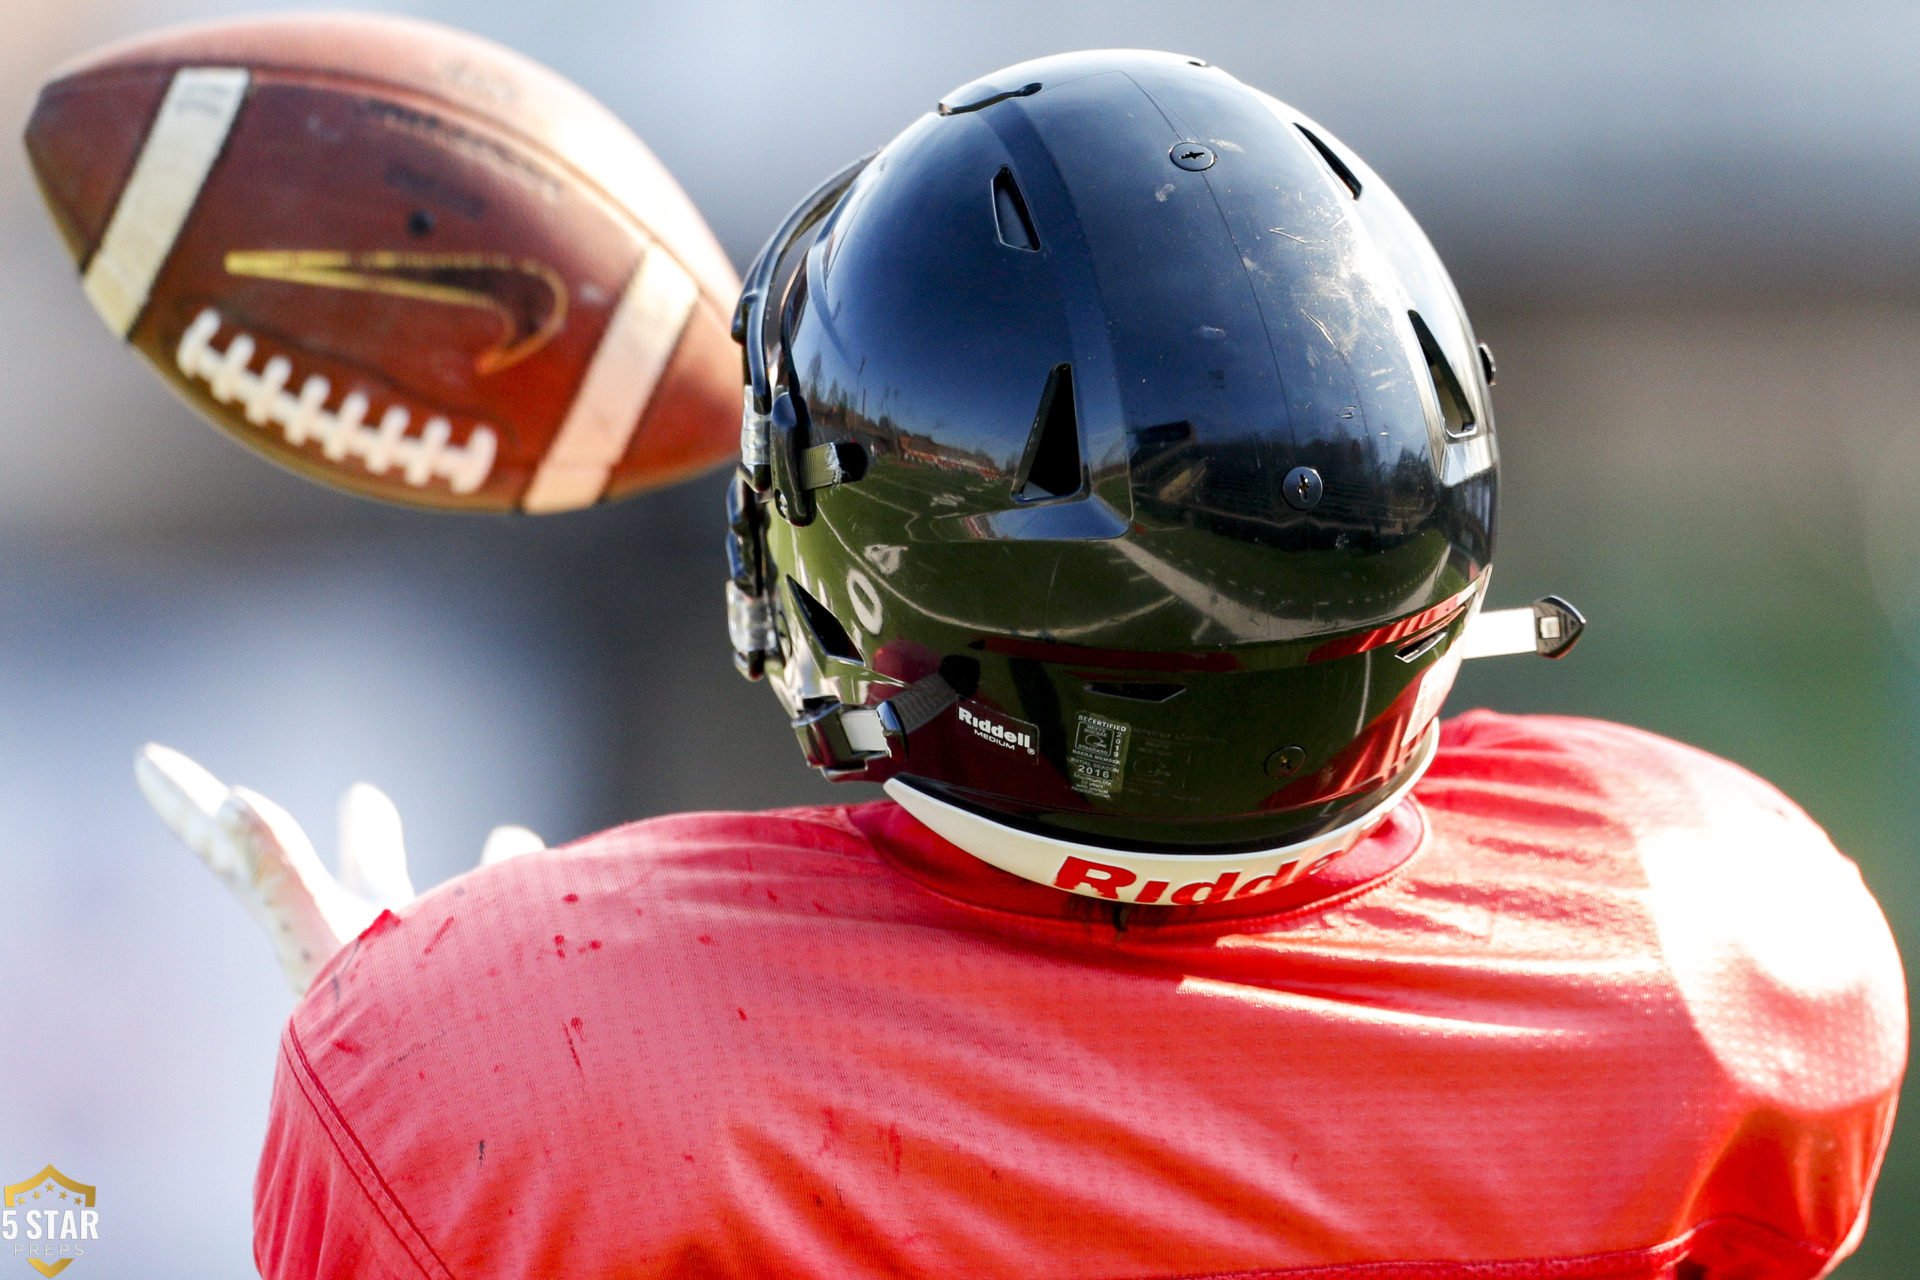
(509, 842)
(187, 797)
(305, 911)
(373, 850)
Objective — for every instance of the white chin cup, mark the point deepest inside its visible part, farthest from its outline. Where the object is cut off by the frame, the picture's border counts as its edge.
(1162, 879)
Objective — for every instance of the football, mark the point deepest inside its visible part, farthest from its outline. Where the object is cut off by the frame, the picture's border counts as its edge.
(399, 259)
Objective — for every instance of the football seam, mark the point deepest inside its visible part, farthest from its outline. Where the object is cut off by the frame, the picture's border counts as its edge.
(341, 433)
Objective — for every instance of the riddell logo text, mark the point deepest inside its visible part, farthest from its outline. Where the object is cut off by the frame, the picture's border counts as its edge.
(996, 732)
(1120, 884)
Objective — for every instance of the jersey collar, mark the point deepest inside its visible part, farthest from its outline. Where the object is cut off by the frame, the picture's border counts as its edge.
(944, 868)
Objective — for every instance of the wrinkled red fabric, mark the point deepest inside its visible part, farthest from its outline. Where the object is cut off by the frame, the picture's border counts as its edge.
(1593, 1004)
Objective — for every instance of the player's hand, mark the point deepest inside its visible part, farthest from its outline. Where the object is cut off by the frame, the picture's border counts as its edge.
(260, 853)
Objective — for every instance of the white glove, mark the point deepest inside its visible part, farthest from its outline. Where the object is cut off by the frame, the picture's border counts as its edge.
(261, 854)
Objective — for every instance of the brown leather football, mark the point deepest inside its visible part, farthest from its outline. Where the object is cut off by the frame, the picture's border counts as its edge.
(397, 258)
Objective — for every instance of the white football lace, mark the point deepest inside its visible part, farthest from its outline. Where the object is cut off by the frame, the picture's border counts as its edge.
(341, 432)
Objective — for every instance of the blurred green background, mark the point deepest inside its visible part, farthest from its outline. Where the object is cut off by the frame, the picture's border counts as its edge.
(1689, 233)
(1732, 495)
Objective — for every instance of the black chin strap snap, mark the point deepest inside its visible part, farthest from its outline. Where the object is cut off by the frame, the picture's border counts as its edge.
(800, 468)
(841, 740)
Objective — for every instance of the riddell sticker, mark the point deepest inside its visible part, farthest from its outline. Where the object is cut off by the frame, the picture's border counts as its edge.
(1002, 731)
(1099, 756)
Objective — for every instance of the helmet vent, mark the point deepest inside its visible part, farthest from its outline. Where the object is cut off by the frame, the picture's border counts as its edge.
(1136, 692)
(828, 634)
(1334, 162)
(1420, 646)
(1050, 467)
(1456, 411)
(1010, 214)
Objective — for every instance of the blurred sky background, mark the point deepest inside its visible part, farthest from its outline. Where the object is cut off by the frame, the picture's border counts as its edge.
(1691, 234)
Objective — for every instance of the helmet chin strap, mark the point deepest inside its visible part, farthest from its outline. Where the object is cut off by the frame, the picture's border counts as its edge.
(1163, 879)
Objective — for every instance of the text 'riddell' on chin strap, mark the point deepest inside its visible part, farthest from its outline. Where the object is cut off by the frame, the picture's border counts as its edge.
(1163, 879)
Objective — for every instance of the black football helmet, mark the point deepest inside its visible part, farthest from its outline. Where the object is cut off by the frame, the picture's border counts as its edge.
(1118, 479)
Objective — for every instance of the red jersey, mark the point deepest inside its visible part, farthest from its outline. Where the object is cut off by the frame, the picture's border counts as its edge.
(1592, 1004)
